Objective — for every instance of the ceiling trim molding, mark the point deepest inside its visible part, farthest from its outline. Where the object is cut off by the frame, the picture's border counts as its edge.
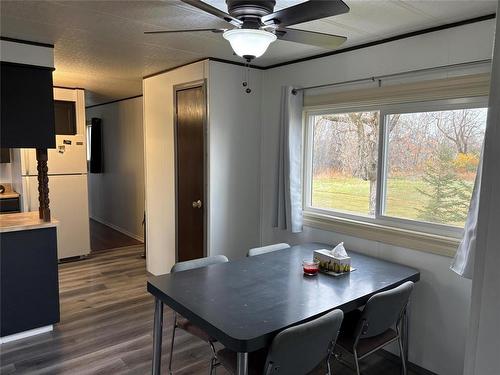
(216, 59)
(339, 51)
(203, 59)
(173, 68)
(21, 41)
(113, 101)
(67, 88)
(387, 40)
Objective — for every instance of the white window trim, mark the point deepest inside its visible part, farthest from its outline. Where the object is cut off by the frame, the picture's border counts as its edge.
(429, 237)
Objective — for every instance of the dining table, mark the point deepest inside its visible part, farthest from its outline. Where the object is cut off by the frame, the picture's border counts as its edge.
(244, 303)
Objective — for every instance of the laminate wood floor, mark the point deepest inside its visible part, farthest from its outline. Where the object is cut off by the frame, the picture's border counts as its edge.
(103, 237)
(106, 327)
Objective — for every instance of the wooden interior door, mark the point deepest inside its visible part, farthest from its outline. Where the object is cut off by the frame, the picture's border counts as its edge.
(190, 103)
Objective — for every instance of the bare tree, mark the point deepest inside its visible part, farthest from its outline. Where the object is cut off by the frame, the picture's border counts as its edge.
(462, 127)
(411, 143)
(367, 130)
(346, 144)
(349, 143)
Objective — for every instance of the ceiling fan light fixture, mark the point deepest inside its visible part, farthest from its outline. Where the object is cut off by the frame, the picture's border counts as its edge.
(249, 43)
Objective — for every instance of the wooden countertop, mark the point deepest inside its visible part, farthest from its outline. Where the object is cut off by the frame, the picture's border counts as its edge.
(10, 194)
(23, 221)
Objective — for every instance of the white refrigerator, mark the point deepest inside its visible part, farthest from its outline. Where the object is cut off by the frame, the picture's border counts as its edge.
(68, 190)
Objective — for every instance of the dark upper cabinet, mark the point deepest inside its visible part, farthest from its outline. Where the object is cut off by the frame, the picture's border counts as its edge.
(27, 107)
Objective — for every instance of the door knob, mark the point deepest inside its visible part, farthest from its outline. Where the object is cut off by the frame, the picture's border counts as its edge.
(197, 204)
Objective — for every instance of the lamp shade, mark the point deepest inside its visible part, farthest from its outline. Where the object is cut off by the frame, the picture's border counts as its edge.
(249, 43)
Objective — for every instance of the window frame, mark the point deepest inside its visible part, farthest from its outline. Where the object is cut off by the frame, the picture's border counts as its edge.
(379, 219)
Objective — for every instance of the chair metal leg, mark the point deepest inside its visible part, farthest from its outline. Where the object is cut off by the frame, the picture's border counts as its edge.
(402, 329)
(172, 344)
(402, 353)
(356, 361)
(211, 370)
(328, 368)
(213, 361)
(405, 331)
(328, 357)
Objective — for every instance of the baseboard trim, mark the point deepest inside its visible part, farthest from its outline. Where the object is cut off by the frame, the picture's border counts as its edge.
(29, 333)
(411, 366)
(117, 228)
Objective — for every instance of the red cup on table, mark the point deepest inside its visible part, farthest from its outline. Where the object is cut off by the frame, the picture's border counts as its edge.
(310, 267)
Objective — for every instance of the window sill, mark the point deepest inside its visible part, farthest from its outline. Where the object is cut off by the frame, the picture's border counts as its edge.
(426, 242)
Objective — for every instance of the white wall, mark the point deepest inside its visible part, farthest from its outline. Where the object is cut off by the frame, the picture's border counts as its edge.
(159, 162)
(440, 307)
(116, 197)
(234, 129)
(233, 161)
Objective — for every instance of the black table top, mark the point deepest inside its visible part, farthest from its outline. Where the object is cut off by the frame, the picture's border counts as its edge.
(245, 303)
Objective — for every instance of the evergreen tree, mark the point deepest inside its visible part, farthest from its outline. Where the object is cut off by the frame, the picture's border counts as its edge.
(448, 195)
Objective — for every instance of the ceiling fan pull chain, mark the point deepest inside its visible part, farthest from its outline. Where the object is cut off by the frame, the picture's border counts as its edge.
(246, 83)
(246, 78)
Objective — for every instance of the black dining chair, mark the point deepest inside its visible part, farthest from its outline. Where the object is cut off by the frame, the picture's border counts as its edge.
(364, 332)
(294, 351)
(267, 249)
(183, 323)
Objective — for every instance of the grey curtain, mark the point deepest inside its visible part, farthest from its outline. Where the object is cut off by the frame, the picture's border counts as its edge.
(463, 263)
(484, 214)
(288, 200)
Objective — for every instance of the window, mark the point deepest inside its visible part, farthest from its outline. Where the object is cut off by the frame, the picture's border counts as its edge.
(432, 158)
(344, 161)
(410, 166)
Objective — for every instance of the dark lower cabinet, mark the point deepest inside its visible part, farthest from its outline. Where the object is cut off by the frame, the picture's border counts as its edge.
(28, 280)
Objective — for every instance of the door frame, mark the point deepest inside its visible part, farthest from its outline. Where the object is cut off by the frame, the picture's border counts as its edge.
(180, 87)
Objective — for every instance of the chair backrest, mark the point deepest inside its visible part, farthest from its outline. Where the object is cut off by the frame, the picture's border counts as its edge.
(198, 263)
(298, 350)
(383, 310)
(267, 249)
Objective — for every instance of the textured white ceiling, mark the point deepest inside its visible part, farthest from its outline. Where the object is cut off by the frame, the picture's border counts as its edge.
(100, 45)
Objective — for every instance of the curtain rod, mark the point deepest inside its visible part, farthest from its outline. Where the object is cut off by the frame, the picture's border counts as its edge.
(379, 78)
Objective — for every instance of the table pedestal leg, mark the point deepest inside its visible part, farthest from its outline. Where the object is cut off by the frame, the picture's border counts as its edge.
(157, 336)
(242, 364)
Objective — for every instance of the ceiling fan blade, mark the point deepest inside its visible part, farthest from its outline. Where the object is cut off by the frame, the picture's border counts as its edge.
(313, 38)
(213, 11)
(308, 11)
(184, 31)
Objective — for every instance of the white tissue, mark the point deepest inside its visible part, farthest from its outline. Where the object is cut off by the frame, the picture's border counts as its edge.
(339, 251)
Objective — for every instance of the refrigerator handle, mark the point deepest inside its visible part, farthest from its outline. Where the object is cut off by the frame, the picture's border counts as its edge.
(26, 161)
(28, 194)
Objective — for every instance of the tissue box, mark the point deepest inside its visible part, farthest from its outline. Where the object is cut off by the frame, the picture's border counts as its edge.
(327, 262)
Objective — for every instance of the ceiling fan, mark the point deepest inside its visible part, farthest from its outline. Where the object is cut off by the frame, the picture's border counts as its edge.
(254, 25)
